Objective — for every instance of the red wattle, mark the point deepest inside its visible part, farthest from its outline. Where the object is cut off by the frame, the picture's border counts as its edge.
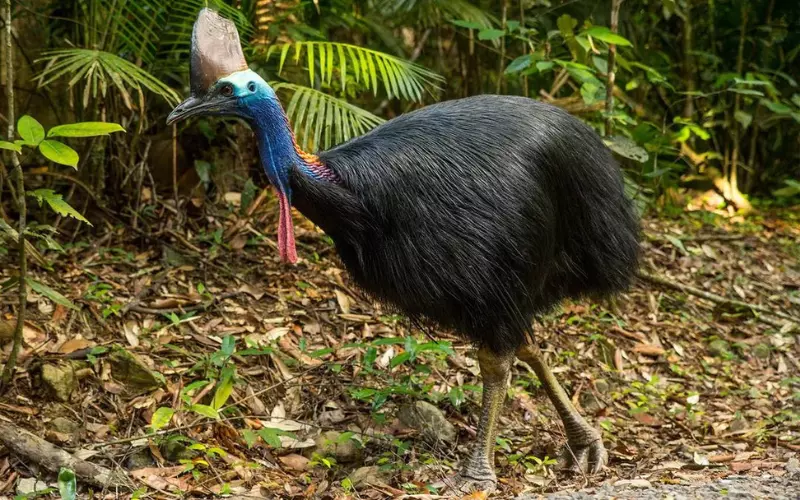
(286, 245)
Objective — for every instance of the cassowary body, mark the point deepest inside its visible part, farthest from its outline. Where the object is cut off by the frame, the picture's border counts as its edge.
(477, 214)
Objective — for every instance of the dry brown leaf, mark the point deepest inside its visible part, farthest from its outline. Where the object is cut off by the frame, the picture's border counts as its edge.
(343, 300)
(73, 345)
(295, 462)
(649, 349)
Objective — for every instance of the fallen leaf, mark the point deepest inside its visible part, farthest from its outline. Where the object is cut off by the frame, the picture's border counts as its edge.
(295, 462)
(73, 345)
(343, 300)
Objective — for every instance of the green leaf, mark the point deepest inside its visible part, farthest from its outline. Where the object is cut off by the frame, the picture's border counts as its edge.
(676, 243)
(626, 147)
(468, 24)
(161, 418)
(59, 152)
(400, 358)
(205, 411)
(57, 203)
(84, 129)
(67, 484)
(48, 292)
(744, 118)
(606, 35)
(519, 64)
(224, 390)
(490, 34)
(249, 437)
(10, 146)
(776, 107)
(30, 130)
(270, 436)
(746, 92)
(456, 396)
(566, 25)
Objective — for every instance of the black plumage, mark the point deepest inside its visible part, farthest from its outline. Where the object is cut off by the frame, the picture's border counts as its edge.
(477, 214)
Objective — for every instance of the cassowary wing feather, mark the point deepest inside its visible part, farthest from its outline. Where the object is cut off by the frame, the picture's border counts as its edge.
(477, 213)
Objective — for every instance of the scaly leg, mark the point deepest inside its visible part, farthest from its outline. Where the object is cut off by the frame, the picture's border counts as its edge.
(585, 451)
(477, 472)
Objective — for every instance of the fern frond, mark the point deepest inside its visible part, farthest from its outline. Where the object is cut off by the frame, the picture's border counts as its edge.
(321, 121)
(99, 70)
(370, 68)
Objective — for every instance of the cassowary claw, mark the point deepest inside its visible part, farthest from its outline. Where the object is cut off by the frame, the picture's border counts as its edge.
(586, 459)
(461, 485)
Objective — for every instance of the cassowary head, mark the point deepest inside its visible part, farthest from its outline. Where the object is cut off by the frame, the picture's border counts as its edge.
(222, 84)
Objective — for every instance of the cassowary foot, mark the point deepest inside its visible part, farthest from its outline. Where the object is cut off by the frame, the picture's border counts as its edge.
(463, 484)
(584, 459)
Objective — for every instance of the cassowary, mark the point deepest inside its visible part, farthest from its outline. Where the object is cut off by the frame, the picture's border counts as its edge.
(477, 214)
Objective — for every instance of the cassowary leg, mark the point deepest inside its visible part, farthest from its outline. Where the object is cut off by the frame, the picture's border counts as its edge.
(584, 451)
(477, 473)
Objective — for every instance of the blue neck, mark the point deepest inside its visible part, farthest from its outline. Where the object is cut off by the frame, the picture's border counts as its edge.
(276, 144)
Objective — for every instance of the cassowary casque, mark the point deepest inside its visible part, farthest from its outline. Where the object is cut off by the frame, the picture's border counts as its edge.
(477, 214)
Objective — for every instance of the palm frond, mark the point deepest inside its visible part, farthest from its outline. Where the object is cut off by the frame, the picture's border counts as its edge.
(430, 12)
(99, 70)
(321, 121)
(399, 78)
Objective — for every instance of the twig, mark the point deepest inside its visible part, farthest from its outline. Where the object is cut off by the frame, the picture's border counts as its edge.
(160, 277)
(718, 299)
(22, 286)
(612, 60)
(176, 310)
(53, 458)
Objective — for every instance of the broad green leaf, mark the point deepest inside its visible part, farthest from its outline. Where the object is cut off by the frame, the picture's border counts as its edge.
(57, 203)
(48, 292)
(59, 152)
(456, 396)
(30, 130)
(400, 359)
(744, 118)
(519, 64)
(161, 418)
(490, 34)
(205, 411)
(606, 35)
(84, 129)
(10, 146)
(626, 147)
(270, 436)
(544, 65)
(249, 437)
(67, 484)
(566, 25)
(676, 243)
(776, 107)
(223, 392)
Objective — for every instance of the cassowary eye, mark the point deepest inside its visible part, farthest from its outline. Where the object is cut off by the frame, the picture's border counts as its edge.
(226, 90)
(251, 86)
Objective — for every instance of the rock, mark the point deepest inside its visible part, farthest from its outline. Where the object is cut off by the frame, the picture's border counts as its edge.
(30, 486)
(140, 459)
(718, 347)
(341, 447)
(65, 425)
(793, 466)
(762, 351)
(132, 373)
(364, 477)
(429, 421)
(59, 380)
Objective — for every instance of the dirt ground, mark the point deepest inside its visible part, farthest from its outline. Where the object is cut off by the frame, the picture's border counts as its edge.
(200, 365)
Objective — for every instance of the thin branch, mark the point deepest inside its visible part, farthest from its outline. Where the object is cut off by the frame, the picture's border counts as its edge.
(717, 299)
(11, 363)
(612, 61)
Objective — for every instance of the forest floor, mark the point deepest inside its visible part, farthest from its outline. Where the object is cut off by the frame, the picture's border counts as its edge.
(200, 365)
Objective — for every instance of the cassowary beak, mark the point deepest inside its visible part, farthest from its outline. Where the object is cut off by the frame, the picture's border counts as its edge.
(206, 105)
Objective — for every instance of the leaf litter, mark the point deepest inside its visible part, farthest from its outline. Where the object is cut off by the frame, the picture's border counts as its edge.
(249, 361)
